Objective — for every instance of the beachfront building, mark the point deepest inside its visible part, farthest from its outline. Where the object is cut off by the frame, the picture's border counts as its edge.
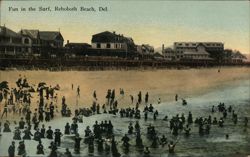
(52, 39)
(237, 57)
(112, 44)
(31, 41)
(108, 40)
(73, 49)
(199, 50)
(79, 46)
(146, 51)
(10, 42)
(41, 43)
(168, 53)
(233, 56)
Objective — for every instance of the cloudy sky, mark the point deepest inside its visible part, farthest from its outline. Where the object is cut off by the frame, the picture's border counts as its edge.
(146, 21)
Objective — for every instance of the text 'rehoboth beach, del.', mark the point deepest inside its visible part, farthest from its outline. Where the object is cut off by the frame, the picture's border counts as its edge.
(59, 9)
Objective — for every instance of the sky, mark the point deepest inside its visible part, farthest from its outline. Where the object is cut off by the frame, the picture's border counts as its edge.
(146, 21)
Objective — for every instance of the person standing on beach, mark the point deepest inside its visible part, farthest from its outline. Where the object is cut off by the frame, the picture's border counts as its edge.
(78, 91)
(5, 110)
(72, 86)
(146, 98)
(94, 95)
(132, 99)
(139, 97)
(176, 97)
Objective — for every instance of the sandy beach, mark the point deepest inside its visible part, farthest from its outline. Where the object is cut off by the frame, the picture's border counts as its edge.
(162, 84)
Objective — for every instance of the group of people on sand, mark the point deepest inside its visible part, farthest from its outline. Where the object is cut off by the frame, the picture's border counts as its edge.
(100, 137)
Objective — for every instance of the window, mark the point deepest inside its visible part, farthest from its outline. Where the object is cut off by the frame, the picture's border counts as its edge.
(26, 41)
(108, 45)
(98, 45)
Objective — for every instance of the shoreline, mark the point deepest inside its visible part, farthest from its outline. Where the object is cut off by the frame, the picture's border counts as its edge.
(101, 63)
(114, 68)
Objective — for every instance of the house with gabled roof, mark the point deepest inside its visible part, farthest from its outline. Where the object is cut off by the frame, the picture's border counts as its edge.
(237, 57)
(31, 41)
(10, 41)
(111, 40)
(111, 44)
(37, 42)
(214, 49)
(52, 38)
(233, 56)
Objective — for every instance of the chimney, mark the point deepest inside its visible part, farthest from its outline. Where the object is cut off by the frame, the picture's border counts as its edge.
(113, 32)
(162, 47)
(67, 41)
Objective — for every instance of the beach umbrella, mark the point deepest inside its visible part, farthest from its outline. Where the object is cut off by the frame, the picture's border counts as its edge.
(4, 85)
(41, 84)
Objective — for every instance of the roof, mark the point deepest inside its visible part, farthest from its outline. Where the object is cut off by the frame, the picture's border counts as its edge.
(110, 37)
(238, 55)
(31, 33)
(157, 54)
(4, 31)
(49, 35)
(195, 44)
(79, 44)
